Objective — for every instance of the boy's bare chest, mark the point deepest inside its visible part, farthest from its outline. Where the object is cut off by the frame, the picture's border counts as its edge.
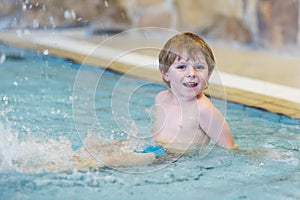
(181, 119)
(179, 125)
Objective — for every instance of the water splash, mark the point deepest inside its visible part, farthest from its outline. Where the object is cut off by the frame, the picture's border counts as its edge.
(8, 143)
(32, 154)
(19, 152)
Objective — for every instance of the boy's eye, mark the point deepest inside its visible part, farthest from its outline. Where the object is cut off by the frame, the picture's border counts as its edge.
(181, 67)
(199, 67)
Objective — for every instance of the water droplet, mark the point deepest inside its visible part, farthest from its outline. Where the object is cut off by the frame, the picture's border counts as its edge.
(24, 7)
(19, 33)
(52, 21)
(2, 58)
(112, 137)
(71, 98)
(73, 14)
(46, 52)
(67, 14)
(35, 23)
(15, 83)
(5, 99)
(26, 32)
(106, 4)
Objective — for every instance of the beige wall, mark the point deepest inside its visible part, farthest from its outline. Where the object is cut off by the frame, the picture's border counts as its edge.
(271, 24)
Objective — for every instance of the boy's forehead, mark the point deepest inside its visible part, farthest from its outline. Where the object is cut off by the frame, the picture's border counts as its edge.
(184, 56)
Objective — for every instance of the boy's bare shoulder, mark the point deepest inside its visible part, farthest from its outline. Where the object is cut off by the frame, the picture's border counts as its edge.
(162, 97)
(207, 109)
(205, 106)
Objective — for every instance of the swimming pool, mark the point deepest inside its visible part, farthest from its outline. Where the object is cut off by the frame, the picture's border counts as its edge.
(37, 125)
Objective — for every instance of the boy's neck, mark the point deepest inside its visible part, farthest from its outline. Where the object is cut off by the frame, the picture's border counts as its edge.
(185, 100)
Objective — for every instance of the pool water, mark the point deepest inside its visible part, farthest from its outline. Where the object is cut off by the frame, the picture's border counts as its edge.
(47, 111)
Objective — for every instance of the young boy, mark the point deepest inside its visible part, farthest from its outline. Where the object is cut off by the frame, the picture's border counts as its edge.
(184, 116)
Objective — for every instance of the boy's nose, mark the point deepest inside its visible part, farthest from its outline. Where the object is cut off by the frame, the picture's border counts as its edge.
(192, 72)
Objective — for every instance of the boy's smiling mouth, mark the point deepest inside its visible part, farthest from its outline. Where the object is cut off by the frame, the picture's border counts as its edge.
(190, 84)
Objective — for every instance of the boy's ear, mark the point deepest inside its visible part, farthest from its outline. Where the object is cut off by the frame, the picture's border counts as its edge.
(165, 75)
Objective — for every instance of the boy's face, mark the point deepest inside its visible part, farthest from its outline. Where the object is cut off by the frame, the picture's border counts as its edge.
(187, 77)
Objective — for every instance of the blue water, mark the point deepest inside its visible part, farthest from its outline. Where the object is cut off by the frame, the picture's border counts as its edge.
(46, 112)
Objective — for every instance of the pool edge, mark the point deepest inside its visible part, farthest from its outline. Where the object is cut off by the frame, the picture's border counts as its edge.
(232, 93)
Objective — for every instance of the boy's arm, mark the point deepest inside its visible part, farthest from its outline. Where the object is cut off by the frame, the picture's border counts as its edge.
(215, 126)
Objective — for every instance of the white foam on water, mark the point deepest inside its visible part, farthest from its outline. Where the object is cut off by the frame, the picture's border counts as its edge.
(32, 154)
